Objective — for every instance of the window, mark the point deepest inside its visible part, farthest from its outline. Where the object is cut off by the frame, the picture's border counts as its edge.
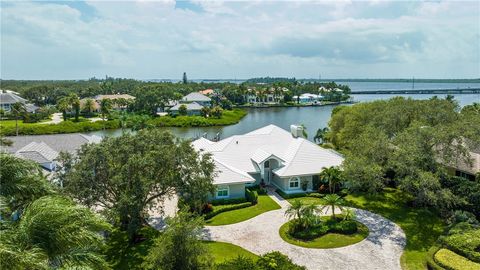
(222, 192)
(465, 175)
(294, 183)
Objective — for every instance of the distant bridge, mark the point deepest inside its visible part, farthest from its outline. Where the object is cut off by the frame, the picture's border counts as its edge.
(419, 91)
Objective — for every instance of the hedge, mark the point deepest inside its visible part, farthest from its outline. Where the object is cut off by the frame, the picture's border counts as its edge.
(62, 127)
(466, 244)
(224, 208)
(452, 261)
(431, 264)
(299, 195)
(228, 201)
(228, 118)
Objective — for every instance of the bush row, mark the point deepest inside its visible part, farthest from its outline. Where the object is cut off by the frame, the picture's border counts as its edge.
(224, 208)
(258, 189)
(452, 261)
(63, 127)
(431, 264)
(466, 244)
(299, 195)
(228, 118)
(228, 201)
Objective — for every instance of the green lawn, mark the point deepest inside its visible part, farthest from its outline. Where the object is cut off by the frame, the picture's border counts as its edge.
(329, 240)
(422, 227)
(308, 200)
(264, 204)
(224, 251)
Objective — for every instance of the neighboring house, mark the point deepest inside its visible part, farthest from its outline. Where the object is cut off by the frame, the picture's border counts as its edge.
(96, 106)
(270, 95)
(44, 149)
(114, 99)
(270, 155)
(206, 92)
(8, 98)
(40, 153)
(192, 108)
(465, 170)
(308, 98)
(197, 98)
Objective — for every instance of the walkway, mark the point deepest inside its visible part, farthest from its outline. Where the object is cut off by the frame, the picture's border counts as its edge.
(380, 250)
(56, 118)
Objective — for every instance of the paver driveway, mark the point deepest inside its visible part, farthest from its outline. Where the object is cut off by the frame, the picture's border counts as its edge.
(380, 250)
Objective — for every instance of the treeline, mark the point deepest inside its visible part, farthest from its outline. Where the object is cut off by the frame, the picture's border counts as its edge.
(413, 145)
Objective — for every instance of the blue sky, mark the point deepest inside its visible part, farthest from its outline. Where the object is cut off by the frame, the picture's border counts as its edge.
(242, 39)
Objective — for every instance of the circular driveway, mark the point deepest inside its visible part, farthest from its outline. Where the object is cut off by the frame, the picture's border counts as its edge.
(380, 250)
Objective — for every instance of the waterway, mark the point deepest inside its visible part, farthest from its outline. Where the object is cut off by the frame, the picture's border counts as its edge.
(312, 117)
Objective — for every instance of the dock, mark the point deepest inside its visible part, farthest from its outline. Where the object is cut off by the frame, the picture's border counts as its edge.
(418, 91)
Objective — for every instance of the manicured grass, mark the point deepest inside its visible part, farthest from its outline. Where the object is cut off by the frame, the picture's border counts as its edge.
(264, 204)
(224, 251)
(329, 240)
(421, 226)
(308, 200)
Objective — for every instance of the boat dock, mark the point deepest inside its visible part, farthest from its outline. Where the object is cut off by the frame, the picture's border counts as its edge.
(419, 91)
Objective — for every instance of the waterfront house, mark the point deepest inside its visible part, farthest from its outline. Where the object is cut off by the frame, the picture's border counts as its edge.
(270, 156)
(8, 98)
(197, 98)
(467, 170)
(118, 101)
(308, 98)
(206, 92)
(270, 95)
(192, 108)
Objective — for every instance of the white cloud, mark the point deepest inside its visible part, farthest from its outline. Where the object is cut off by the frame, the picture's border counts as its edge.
(153, 39)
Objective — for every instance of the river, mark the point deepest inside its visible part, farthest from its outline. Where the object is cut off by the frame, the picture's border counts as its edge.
(312, 117)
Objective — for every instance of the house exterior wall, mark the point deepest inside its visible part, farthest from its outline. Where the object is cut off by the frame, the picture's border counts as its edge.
(257, 177)
(283, 184)
(234, 191)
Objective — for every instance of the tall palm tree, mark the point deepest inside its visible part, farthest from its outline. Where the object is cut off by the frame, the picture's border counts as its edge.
(295, 210)
(105, 107)
(89, 106)
(333, 200)
(75, 103)
(63, 105)
(320, 136)
(18, 109)
(333, 175)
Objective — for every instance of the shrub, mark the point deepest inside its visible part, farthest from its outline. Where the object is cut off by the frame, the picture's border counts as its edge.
(228, 201)
(452, 261)
(315, 195)
(259, 189)
(239, 263)
(277, 261)
(310, 233)
(207, 208)
(252, 196)
(466, 243)
(289, 196)
(344, 227)
(224, 208)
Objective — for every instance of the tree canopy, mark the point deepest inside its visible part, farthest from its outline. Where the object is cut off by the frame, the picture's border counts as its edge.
(127, 175)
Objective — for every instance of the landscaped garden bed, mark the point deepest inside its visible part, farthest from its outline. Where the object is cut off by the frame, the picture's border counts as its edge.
(329, 233)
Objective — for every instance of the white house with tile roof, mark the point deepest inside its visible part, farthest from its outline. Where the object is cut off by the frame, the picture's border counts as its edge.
(197, 98)
(269, 154)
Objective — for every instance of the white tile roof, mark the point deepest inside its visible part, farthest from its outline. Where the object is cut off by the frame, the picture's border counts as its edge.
(243, 152)
(190, 106)
(38, 152)
(227, 174)
(195, 96)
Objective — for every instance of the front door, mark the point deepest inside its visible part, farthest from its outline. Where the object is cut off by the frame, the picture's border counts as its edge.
(266, 172)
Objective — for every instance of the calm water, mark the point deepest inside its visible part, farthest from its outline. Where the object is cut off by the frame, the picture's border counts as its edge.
(312, 117)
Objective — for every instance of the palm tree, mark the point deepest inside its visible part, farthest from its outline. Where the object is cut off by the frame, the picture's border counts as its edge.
(333, 200)
(320, 136)
(105, 107)
(75, 103)
(54, 233)
(89, 106)
(304, 131)
(295, 210)
(63, 105)
(18, 109)
(333, 175)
